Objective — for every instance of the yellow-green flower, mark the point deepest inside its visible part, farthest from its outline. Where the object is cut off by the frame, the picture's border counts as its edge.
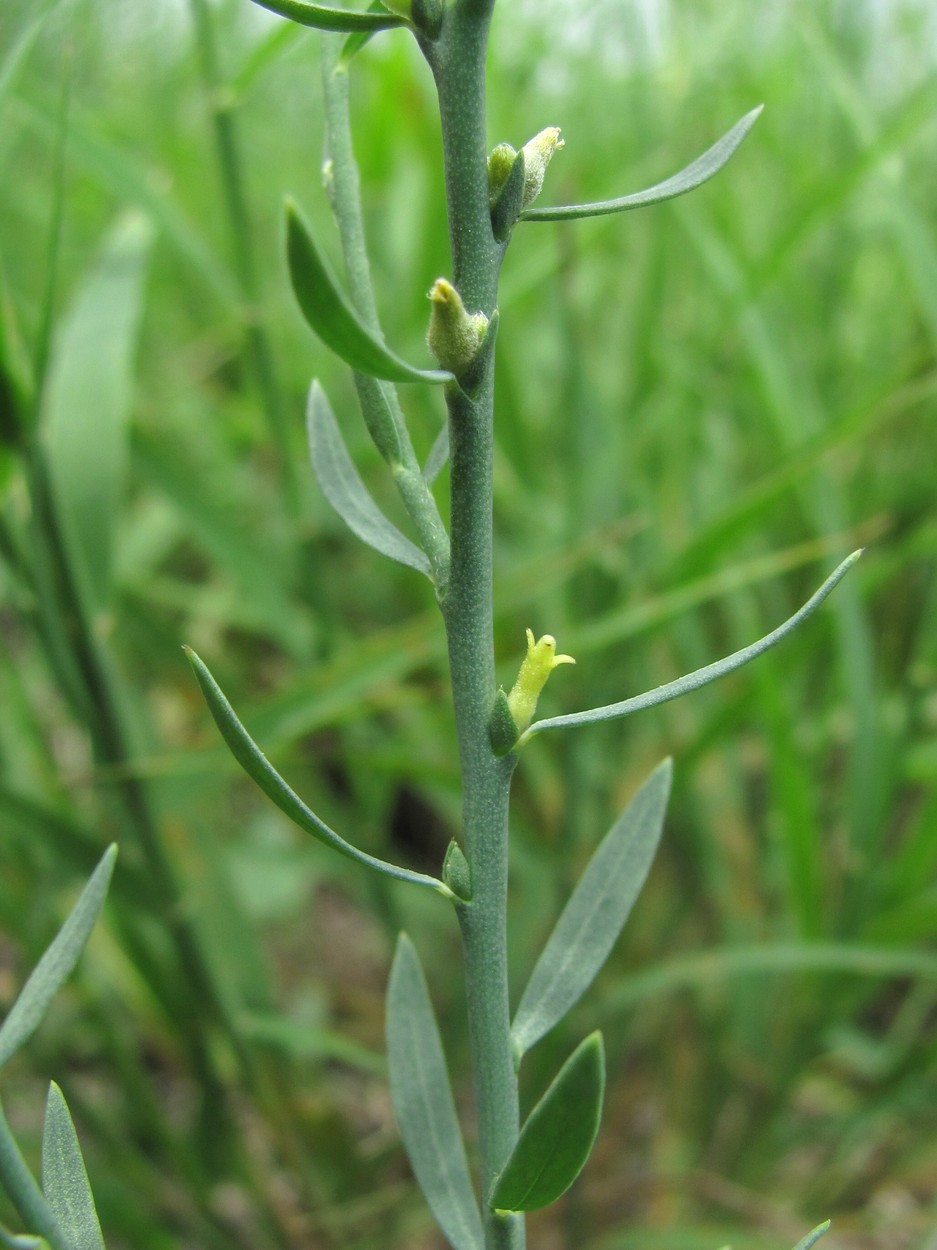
(539, 662)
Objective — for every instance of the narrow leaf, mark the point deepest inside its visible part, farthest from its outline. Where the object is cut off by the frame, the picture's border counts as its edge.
(812, 1238)
(323, 17)
(21, 1241)
(423, 1103)
(694, 175)
(438, 455)
(88, 403)
(558, 1136)
(343, 488)
(256, 765)
(64, 1179)
(55, 965)
(595, 914)
(702, 676)
(331, 316)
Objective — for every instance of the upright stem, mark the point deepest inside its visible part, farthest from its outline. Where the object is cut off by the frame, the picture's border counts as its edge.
(457, 59)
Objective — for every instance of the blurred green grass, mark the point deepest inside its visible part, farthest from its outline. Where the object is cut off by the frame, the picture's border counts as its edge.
(700, 408)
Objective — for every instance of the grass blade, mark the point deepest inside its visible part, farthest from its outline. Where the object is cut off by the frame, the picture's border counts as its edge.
(346, 492)
(595, 914)
(558, 1136)
(688, 179)
(89, 400)
(423, 1103)
(55, 965)
(332, 317)
(257, 767)
(323, 17)
(64, 1179)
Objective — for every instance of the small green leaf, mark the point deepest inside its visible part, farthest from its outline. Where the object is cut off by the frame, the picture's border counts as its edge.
(812, 1238)
(324, 17)
(55, 965)
(557, 1138)
(423, 1103)
(64, 1179)
(694, 175)
(343, 488)
(255, 764)
(595, 914)
(502, 727)
(702, 676)
(88, 403)
(506, 207)
(456, 872)
(331, 316)
(438, 455)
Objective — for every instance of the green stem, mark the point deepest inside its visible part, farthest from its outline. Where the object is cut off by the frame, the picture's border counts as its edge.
(24, 1191)
(378, 399)
(457, 59)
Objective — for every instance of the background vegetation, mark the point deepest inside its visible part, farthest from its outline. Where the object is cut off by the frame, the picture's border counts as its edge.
(701, 409)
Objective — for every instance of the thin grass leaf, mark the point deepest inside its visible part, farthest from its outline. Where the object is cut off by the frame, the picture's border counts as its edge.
(346, 492)
(812, 1238)
(88, 404)
(257, 767)
(55, 965)
(332, 317)
(688, 179)
(558, 1136)
(595, 914)
(702, 676)
(323, 17)
(64, 1179)
(423, 1103)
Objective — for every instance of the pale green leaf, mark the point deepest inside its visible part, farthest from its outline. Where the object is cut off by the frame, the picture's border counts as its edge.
(255, 764)
(58, 961)
(813, 1237)
(88, 403)
(346, 492)
(64, 1179)
(332, 317)
(21, 1241)
(694, 175)
(558, 1136)
(423, 1103)
(595, 914)
(702, 676)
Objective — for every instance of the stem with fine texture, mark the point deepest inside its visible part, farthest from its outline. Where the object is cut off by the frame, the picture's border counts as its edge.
(457, 59)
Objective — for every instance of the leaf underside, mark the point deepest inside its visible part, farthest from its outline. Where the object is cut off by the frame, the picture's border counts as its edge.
(423, 1103)
(325, 17)
(342, 486)
(595, 914)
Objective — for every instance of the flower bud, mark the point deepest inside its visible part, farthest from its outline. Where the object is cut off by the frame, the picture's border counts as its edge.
(500, 163)
(537, 156)
(539, 662)
(454, 335)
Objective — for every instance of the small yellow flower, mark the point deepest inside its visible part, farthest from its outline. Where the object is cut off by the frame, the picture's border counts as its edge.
(539, 662)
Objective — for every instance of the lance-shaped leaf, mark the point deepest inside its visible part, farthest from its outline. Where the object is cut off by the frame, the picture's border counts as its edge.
(558, 1135)
(694, 175)
(702, 676)
(595, 914)
(813, 1237)
(423, 1103)
(55, 965)
(249, 755)
(343, 488)
(332, 317)
(64, 1179)
(324, 17)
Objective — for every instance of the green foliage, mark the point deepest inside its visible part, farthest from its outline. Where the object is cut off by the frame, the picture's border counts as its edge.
(557, 1136)
(64, 1179)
